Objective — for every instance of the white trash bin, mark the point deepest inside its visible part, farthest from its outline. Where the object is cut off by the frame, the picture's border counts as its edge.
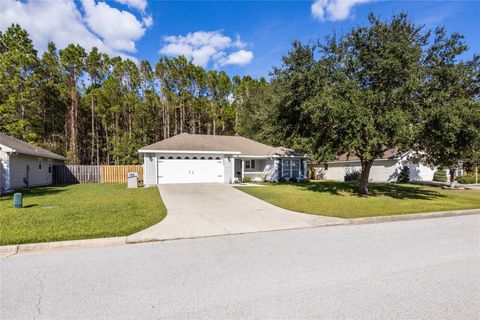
(132, 180)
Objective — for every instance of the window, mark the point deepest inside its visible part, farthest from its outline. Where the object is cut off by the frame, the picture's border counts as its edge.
(249, 164)
(39, 164)
(49, 166)
(296, 168)
(178, 158)
(194, 158)
(202, 158)
(210, 158)
(291, 168)
(286, 168)
(162, 157)
(170, 158)
(186, 158)
(217, 158)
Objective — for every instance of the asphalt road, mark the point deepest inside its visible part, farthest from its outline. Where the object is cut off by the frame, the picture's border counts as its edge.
(423, 269)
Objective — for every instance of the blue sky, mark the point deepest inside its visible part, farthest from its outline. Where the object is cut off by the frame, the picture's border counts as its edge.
(240, 37)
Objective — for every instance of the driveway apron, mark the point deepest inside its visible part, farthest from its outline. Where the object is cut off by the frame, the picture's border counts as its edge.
(203, 210)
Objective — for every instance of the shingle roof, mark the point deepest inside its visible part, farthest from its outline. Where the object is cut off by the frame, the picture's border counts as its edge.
(26, 148)
(391, 153)
(215, 143)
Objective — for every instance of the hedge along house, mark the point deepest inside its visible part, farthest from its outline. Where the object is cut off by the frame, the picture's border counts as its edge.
(385, 169)
(25, 165)
(192, 158)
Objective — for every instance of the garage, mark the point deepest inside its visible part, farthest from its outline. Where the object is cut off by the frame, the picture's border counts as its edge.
(198, 158)
(190, 170)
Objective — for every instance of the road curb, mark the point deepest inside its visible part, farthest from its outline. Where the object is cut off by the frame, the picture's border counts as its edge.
(413, 216)
(6, 251)
(10, 250)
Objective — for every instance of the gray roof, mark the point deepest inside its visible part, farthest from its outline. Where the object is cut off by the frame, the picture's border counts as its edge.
(215, 143)
(26, 148)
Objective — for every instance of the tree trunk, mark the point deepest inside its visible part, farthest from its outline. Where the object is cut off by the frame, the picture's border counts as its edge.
(366, 166)
(73, 126)
(452, 178)
(92, 105)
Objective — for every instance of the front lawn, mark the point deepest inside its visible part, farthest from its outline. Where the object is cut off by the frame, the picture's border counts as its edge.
(79, 211)
(339, 199)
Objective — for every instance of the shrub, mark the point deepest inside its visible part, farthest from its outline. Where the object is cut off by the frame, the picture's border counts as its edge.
(247, 179)
(404, 176)
(466, 179)
(352, 176)
(293, 180)
(440, 176)
(281, 179)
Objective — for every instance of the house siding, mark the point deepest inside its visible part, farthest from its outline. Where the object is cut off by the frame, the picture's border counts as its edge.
(381, 171)
(150, 169)
(272, 167)
(3, 171)
(36, 177)
(227, 169)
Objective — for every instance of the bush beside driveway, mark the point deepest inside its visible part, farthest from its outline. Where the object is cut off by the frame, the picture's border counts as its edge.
(339, 199)
(81, 211)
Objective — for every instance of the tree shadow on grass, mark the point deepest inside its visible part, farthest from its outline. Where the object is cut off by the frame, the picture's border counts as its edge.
(36, 191)
(392, 190)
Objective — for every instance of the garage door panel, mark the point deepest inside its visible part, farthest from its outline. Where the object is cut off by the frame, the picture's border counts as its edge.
(190, 171)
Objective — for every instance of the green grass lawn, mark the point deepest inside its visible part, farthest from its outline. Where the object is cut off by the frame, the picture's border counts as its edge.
(79, 211)
(339, 199)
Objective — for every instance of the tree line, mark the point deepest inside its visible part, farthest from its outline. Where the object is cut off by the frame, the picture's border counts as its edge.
(389, 83)
(97, 109)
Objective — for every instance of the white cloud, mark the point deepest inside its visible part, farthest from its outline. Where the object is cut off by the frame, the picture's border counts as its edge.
(240, 57)
(205, 46)
(113, 31)
(334, 9)
(119, 29)
(135, 4)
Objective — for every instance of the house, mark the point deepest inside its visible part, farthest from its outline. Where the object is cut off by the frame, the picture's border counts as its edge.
(24, 165)
(195, 158)
(385, 169)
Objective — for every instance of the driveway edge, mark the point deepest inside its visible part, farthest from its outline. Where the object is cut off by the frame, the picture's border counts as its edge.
(413, 216)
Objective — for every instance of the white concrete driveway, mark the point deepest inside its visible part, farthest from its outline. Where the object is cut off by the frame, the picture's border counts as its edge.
(202, 210)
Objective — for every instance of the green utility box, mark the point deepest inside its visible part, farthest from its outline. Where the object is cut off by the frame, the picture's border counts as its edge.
(17, 200)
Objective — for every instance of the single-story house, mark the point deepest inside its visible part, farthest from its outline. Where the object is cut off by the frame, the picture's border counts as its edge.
(197, 158)
(25, 165)
(385, 169)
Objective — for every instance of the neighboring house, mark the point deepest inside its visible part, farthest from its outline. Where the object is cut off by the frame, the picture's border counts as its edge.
(385, 169)
(25, 165)
(195, 158)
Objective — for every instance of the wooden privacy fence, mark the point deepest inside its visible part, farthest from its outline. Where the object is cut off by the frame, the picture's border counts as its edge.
(118, 174)
(68, 174)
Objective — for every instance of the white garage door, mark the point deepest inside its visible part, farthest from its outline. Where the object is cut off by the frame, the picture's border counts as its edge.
(189, 171)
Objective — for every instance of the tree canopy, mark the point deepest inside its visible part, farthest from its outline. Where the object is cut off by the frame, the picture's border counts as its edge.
(378, 87)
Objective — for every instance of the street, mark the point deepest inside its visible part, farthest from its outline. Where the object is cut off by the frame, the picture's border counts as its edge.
(421, 269)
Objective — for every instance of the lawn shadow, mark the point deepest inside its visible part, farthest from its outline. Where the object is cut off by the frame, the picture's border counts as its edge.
(391, 190)
(36, 191)
(30, 206)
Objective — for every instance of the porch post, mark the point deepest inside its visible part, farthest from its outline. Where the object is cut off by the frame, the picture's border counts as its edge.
(233, 170)
(243, 168)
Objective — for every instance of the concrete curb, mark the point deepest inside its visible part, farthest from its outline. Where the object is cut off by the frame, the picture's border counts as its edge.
(10, 250)
(6, 251)
(413, 216)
